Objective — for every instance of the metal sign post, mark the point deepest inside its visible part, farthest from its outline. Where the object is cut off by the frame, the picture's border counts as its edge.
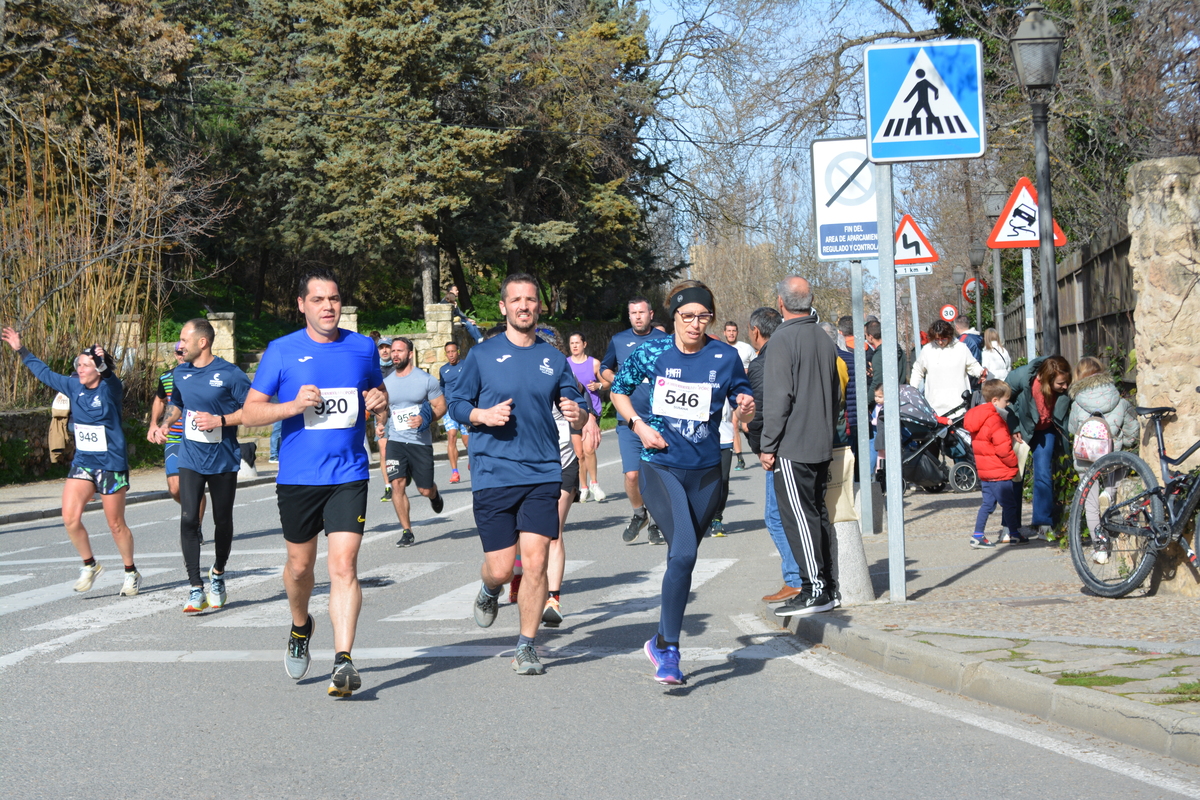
(916, 320)
(866, 498)
(1027, 283)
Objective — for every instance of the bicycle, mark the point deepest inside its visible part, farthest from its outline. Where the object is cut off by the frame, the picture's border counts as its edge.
(1134, 517)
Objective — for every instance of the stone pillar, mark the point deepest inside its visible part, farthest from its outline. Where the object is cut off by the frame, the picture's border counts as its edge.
(1164, 221)
(223, 323)
(349, 318)
(126, 339)
(438, 322)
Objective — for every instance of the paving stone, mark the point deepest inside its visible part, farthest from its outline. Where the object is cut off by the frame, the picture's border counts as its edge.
(967, 644)
(1155, 685)
(1143, 672)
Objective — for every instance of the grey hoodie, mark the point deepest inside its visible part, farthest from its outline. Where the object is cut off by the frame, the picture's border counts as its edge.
(1096, 394)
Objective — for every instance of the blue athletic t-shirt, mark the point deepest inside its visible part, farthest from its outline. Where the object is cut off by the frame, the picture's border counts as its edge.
(218, 388)
(525, 450)
(689, 389)
(620, 347)
(95, 416)
(324, 445)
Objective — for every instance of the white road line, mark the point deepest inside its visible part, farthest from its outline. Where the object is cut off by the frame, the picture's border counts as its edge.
(23, 550)
(751, 624)
(276, 614)
(641, 597)
(7, 579)
(754, 652)
(457, 603)
(32, 598)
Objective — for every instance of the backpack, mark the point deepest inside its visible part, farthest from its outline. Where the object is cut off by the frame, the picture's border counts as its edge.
(1094, 439)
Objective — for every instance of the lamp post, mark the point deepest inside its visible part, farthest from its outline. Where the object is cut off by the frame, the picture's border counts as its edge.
(1036, 49)
(958, 276)
(977, 254)
(993, 203)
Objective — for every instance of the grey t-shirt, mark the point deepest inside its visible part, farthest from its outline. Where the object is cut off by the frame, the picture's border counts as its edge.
(405, 396)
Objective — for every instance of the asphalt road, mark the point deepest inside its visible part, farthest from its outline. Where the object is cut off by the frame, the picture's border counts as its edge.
(106, 696)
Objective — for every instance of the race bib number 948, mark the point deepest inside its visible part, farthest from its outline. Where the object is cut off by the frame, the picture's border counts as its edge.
(681, 400)
(338, 409)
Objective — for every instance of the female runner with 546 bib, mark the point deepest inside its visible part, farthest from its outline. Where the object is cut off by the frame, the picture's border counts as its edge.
(691, 378)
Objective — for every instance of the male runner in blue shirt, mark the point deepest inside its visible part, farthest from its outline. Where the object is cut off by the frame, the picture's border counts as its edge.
(620, 347)
(446, 377)
(505, 391)
(325, 377)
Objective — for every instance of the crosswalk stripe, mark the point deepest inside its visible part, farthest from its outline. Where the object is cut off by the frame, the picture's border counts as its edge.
(641, 597)
(60, 591)
(457, 603)
(7, 579)
(276, 614)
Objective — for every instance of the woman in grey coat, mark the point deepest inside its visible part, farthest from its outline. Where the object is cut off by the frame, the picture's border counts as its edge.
(1093, 392)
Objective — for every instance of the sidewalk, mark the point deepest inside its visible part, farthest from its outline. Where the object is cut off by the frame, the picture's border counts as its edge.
(43, 500)
(1012, 627)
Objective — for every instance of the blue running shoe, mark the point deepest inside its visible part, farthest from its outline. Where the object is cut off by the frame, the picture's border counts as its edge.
(666, 663)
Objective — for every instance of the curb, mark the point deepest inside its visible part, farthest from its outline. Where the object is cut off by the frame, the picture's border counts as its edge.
(140, 497)
(1159, 730)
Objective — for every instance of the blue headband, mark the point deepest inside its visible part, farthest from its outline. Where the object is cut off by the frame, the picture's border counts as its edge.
(692, 294)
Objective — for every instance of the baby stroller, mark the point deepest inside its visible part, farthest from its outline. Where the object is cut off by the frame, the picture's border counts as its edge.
(926, 437)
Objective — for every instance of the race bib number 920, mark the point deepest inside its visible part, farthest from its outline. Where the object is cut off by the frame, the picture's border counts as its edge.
(681, 400)
(338, 409)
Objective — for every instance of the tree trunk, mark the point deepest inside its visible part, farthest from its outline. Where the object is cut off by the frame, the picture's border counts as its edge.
(450, 255)
(260, 283)
(427, 267)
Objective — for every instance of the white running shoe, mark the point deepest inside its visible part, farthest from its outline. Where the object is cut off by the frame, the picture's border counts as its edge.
(584, 495)
(133, 582)
(87, 576)
(597, 493)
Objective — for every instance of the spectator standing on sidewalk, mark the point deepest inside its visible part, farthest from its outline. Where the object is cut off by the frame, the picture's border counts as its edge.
(996, 359)
(1041, 407)
(802, 400)
(946, 367)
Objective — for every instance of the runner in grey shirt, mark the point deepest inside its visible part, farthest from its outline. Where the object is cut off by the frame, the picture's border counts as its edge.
(415, 401)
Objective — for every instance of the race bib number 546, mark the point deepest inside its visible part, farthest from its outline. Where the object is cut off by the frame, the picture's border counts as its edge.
(338, 409)
(681, 400)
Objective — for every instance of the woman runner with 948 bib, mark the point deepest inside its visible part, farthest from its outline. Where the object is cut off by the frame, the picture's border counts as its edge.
(691, 378)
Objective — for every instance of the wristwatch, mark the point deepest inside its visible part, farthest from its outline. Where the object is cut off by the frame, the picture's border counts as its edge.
(632, 421)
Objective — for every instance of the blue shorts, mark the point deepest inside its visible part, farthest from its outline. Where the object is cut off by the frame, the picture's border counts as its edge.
(502, 512)
(451, 424)
(171, 457)
(631, 448)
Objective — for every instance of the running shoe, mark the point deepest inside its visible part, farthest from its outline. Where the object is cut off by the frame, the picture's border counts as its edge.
(552, 615)
(387, 494)
(454, 476)
(344, 679)
(1016, 537)
(87, 576)
(654, 535)
(216, 589)
(1005, 536)
(514, 588)
(636, 523)
(584, 495)
(436, 502)
(665, 661)
(804, 604)
(406, 538)
(526, 662)
(717, 528)
(740, 465)
(197, 602)
(598, 494)
(133, 583)
(485, 607)
(297, 660)
(979, 541)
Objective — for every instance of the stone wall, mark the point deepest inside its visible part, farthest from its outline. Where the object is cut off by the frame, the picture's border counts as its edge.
(1164, 220)
(224, 323)
(30, 427)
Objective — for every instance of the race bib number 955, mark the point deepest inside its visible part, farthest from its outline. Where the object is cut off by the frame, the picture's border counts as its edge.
(681, 400)
(338, 409)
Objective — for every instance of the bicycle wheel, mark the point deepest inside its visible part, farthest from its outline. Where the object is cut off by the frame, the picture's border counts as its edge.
(1115, 562)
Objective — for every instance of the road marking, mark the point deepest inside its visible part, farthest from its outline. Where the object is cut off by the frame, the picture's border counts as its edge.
(22, 550)
(457, 603)
(641, 597)
(7, 579)
(821, 666)
(61, 591)
(276, 614)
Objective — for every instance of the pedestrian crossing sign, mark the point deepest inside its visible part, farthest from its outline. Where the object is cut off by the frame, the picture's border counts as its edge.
(925, 102)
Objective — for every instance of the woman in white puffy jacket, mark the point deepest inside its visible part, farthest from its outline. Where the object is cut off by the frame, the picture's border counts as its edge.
(945, 365)
(995, 357)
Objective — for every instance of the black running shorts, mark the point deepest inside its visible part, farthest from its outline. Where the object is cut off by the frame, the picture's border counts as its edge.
(305, 510)
(411, 461)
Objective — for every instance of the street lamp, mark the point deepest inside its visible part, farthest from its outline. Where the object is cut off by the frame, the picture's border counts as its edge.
(1036, 48)
(993, 203)
(977, 254)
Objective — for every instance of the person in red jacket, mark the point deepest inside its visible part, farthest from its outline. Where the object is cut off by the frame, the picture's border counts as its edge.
(996, 463)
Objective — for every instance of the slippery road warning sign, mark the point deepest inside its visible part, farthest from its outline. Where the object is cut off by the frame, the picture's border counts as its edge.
(1018, 222)
(925, 102)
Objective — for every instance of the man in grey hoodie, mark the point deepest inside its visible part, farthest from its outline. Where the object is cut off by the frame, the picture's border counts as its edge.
(802, 400)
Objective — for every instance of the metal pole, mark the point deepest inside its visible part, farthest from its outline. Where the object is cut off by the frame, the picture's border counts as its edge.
(1030, 323)
(916, 319)
(891, 382)
(1050, 345)
(978, 299)
(866, 498)
(998, 293)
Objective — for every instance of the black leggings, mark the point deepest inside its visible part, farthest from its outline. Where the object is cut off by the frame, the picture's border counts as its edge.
(682, 502)
(726, 465)
(222, 487)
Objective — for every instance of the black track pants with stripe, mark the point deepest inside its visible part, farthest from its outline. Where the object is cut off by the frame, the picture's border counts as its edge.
(800, 490)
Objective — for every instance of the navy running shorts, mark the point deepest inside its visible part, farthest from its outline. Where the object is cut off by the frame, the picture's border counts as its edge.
(631, 448)
(502, 512)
